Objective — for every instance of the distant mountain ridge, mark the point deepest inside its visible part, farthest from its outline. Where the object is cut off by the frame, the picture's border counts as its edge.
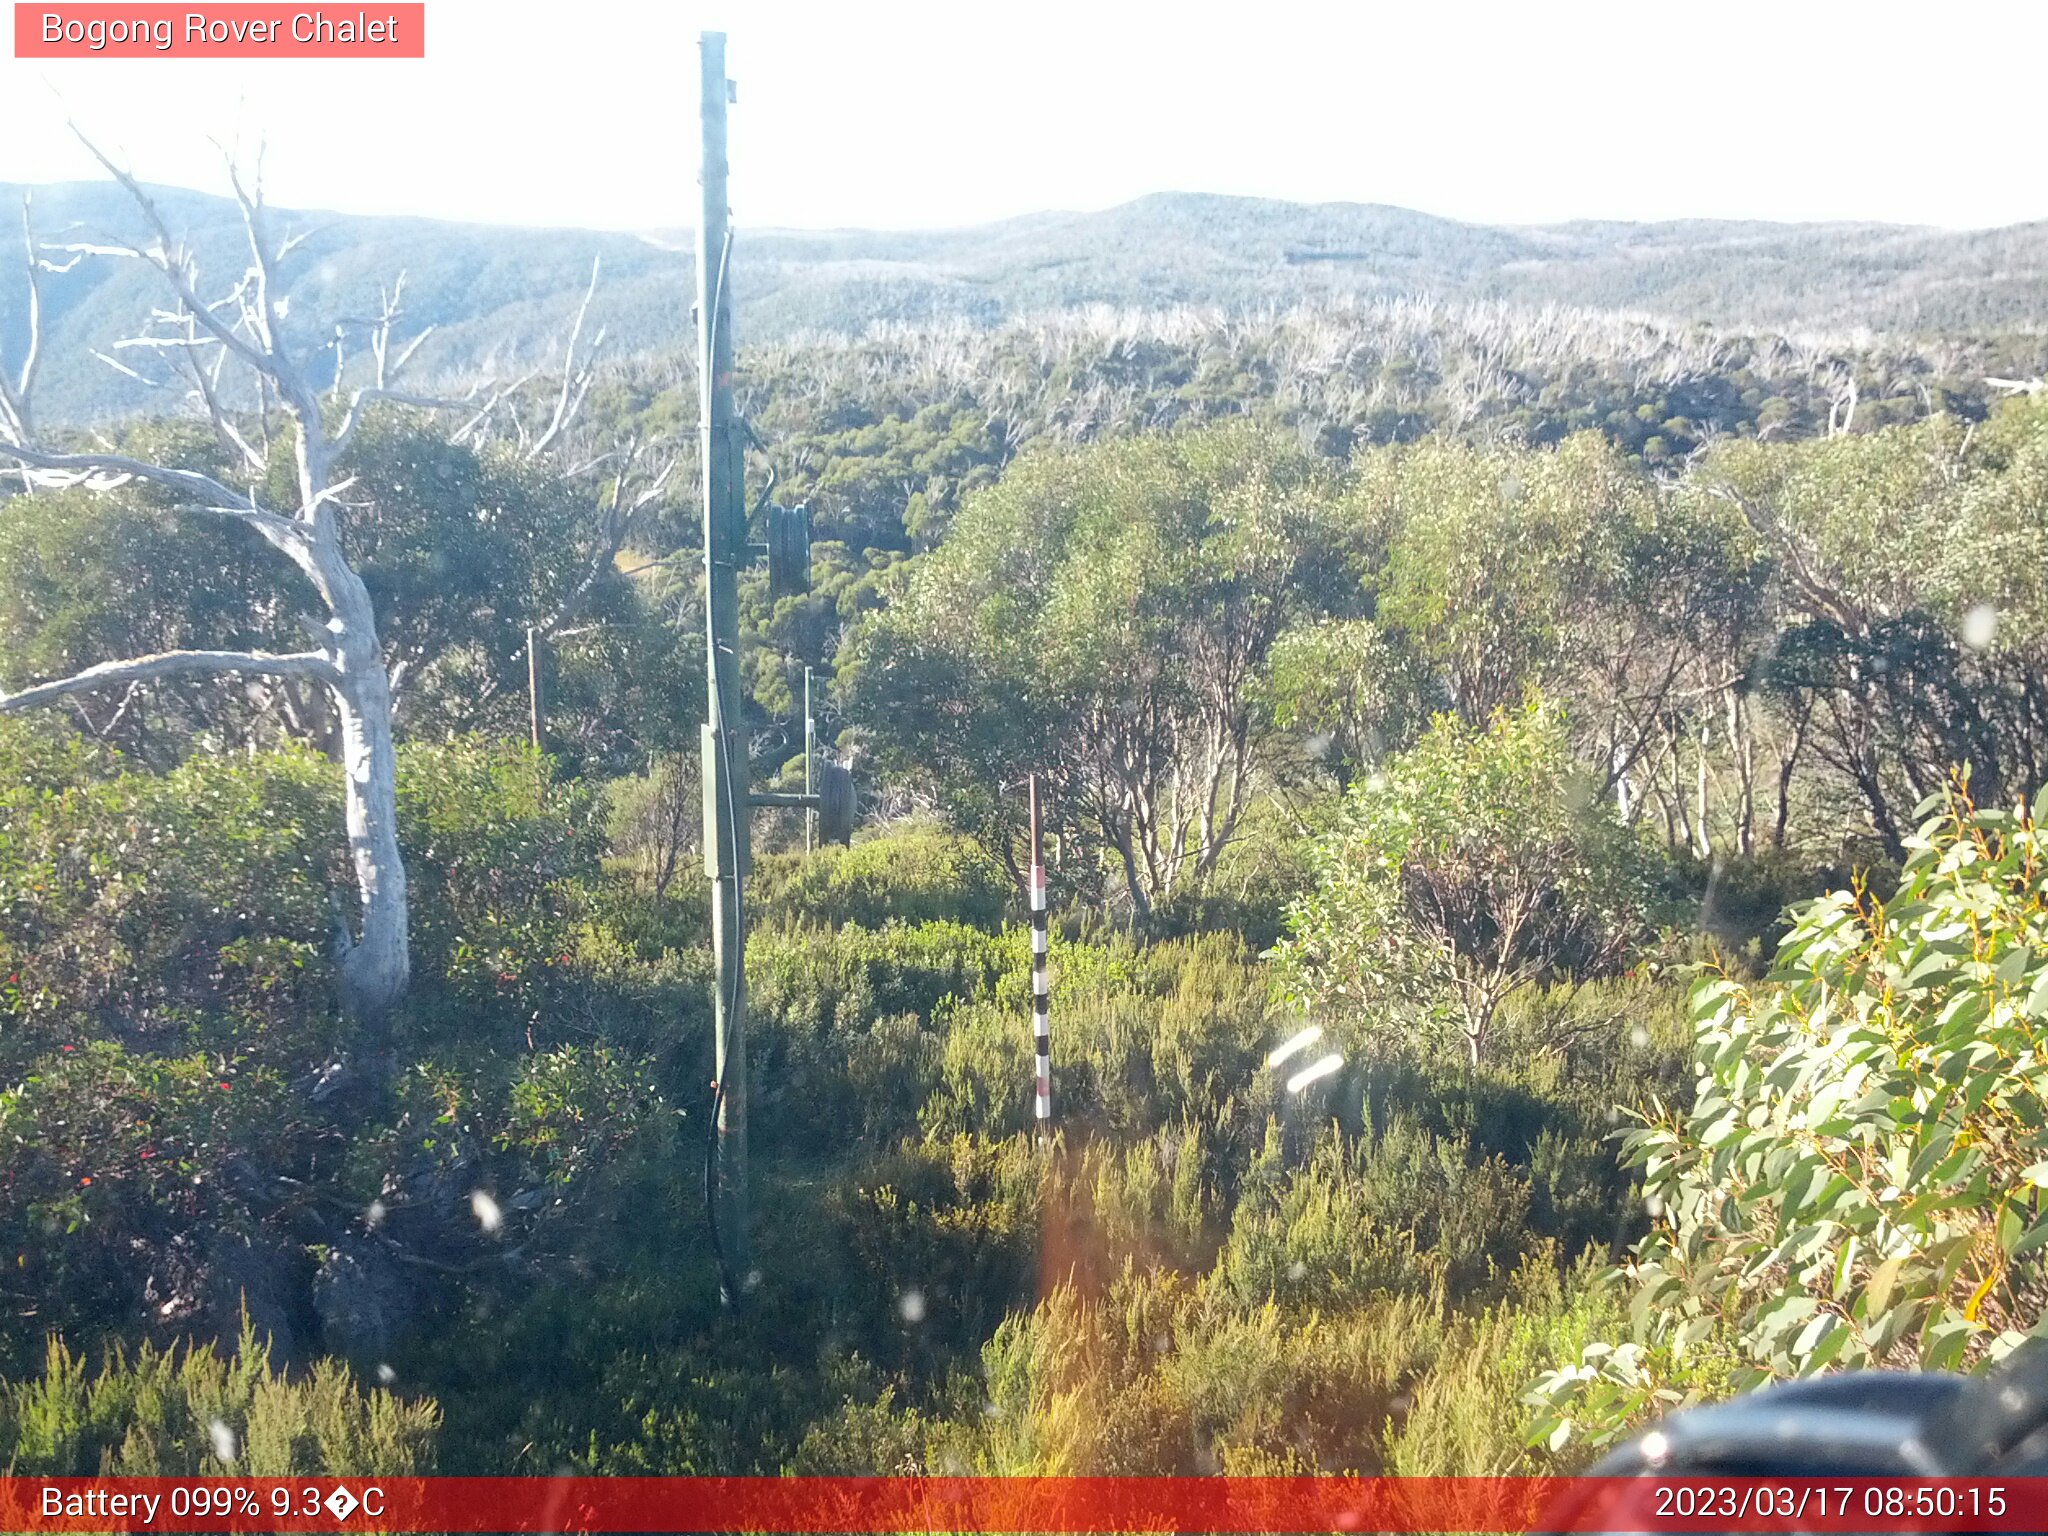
(496, 295)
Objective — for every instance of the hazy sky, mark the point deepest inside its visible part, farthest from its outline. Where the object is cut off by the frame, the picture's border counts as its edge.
(870, 113)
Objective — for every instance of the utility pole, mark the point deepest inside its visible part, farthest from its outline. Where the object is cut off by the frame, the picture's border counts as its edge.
(726, 831)
(728, 802)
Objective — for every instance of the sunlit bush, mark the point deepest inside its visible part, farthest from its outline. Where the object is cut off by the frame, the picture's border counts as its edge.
(1858, 1180)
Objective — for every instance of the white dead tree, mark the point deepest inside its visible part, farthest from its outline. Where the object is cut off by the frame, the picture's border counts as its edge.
(247, 328)
(18, 381)
(629, 476)
(635, 483)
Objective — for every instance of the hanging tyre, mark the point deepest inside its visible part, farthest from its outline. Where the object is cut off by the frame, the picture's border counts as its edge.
(837, 804)
(789, 550)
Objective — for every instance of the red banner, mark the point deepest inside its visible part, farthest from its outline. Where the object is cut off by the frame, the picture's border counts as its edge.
(1050, 1504)
(228, 31)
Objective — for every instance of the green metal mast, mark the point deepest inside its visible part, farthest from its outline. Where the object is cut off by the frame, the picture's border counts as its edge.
(726, 852)
(828, 795)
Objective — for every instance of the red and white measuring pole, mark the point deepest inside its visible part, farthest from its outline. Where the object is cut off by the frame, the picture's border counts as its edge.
(1041, 991)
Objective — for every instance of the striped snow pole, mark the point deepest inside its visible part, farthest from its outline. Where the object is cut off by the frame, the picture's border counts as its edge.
(1041, 991)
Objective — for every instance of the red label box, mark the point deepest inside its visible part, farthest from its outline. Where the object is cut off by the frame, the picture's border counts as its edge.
(1078, 1506)
(378, 30)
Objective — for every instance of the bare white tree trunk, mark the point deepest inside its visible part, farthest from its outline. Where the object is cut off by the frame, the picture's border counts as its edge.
(377, 965)
(372, 954)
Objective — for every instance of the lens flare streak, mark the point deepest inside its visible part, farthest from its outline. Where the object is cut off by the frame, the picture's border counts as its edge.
(1314, 1071)
(1295, 1046)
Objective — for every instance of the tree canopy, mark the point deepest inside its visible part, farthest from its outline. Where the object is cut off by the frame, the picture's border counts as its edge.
(1474, 865)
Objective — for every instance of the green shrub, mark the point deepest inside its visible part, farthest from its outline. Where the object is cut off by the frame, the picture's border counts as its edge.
(832, 1011)
(498, 854)
(198, 1412)
(954, 1225)
(1203, 1274)
(576, 1109)
(1154, 1374)
(180, 1087)
(915, 874)
(1401, 1212)
(1153, 1200)
(1472, 867)
(1143, 1036)
(177, 911)
(859, 1439)
(124, 1176)
(1466, 1416)
(654, 821)
(813, 981)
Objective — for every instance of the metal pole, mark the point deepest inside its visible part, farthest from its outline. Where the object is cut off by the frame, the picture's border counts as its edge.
(1041, 992)
(536, 706)
(725, 750)
(810, 748)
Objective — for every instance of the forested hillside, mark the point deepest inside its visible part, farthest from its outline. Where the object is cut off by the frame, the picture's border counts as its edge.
(1466, 730)
(496, 296)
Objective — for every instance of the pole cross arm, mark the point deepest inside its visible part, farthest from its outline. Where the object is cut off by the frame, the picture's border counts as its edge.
(767, 799)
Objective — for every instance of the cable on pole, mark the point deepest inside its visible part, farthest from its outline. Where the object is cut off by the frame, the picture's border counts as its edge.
(713, 1143)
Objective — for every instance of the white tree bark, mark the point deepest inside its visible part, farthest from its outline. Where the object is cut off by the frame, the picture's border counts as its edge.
(376, 964)
(248, 328)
